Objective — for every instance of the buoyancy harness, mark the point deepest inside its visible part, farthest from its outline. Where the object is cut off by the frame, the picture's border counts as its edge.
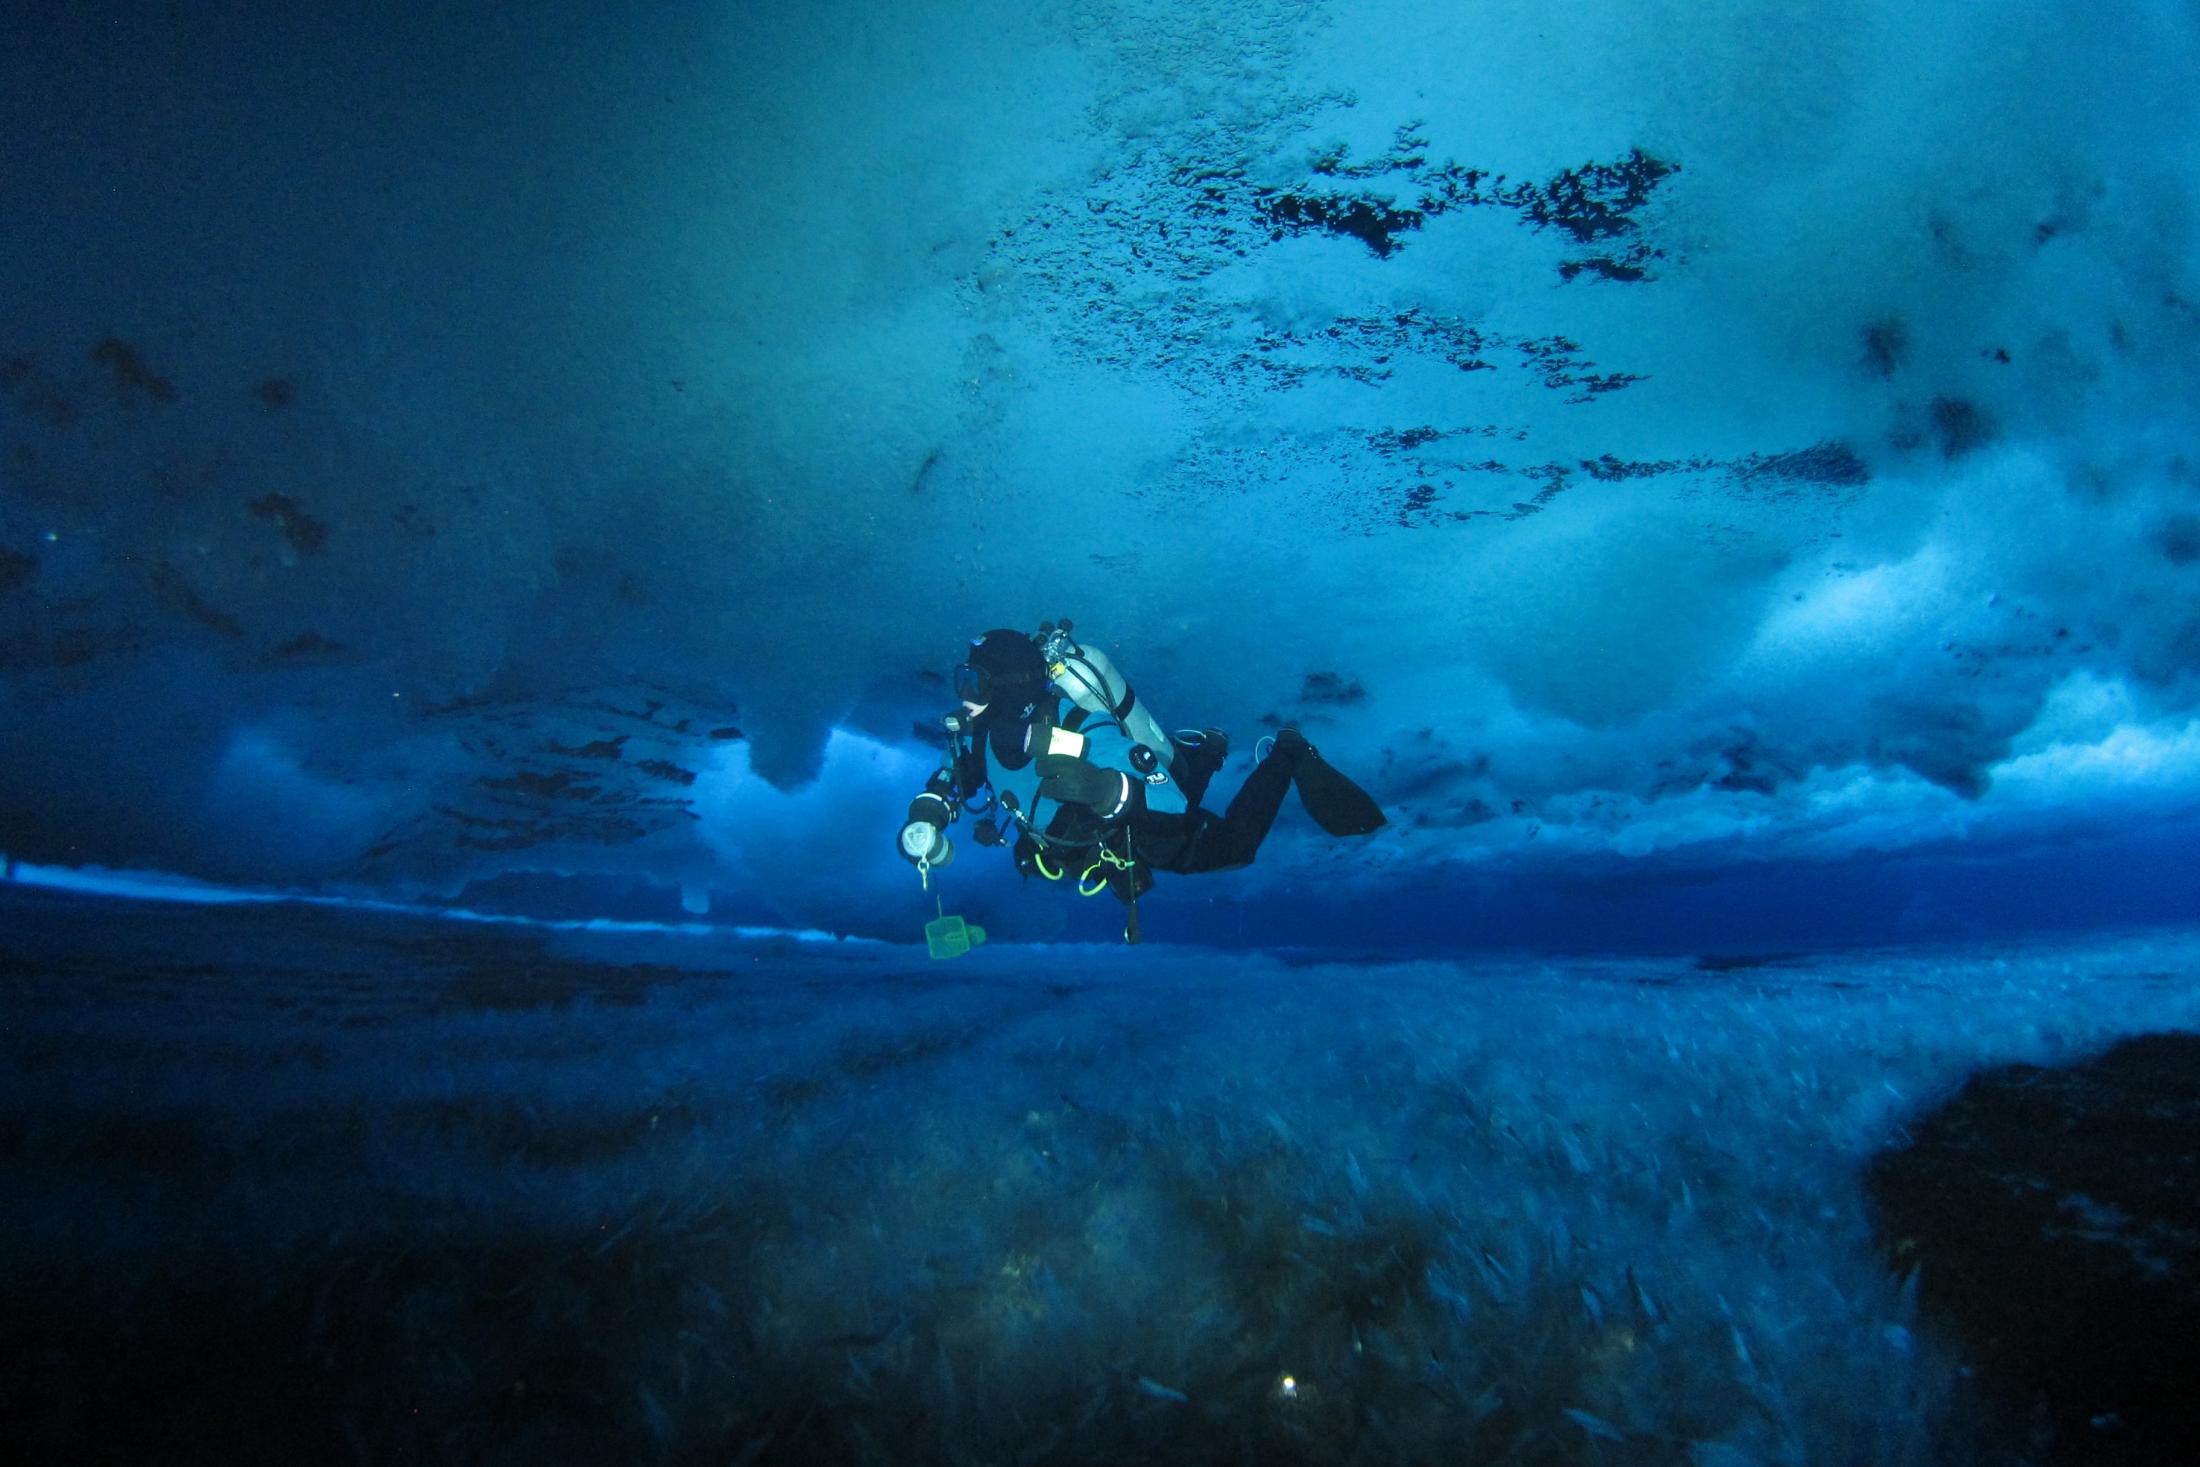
(1102, 853)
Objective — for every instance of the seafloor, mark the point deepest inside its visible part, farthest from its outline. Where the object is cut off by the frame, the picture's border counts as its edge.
(307, 1184)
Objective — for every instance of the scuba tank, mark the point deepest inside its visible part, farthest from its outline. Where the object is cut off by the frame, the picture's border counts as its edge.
(1086, 677)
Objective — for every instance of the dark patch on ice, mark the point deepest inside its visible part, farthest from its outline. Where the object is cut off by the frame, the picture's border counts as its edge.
(1474, 811)
(1946, 742)
(924, 471)
(596, 817)
(1822, 463)
(1398, 440)
(1604, 266)
(1744, 778)
(1365, 349)
(1886, 346)
(1116, 267)
(1960, 426)
(307, 535)
(308, 647)
(2178, 537)
(1284, 358)
(1610, 470)
(30, 391)
(1828, 467)
(583, 770)
(558, 785)
(132, 377)
(174, 589)
(1751, 768)
(2053, 1220)
(1333, 689)
(1743, 962)
(1415, 503)
(16, 569)
(598, 749)
(276, 392)
(1363, 217)
(66, 648)
(1594, 202)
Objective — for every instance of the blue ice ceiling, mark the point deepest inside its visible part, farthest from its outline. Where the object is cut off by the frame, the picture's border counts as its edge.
(1642, 442)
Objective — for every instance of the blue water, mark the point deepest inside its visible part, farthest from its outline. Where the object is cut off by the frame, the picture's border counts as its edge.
(490, 500)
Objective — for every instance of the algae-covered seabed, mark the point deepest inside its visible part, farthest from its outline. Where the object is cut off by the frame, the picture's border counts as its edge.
(310, 1184)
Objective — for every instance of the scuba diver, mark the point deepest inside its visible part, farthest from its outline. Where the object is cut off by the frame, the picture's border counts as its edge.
(1102, 791)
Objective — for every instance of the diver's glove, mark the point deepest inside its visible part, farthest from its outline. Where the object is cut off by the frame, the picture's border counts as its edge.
(1074, 781)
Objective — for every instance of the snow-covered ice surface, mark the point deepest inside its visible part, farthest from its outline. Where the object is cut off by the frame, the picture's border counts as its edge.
(293, 1184)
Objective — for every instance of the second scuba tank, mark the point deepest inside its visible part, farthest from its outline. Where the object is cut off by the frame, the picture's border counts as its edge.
(1086, 677)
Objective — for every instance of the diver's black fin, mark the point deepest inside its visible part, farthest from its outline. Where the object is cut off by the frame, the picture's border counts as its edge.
(1337, 804)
